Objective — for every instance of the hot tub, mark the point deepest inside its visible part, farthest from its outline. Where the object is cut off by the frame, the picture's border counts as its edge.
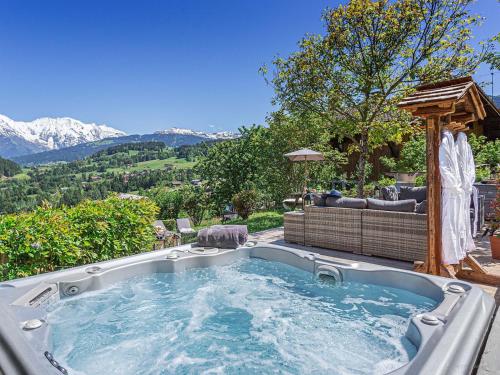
(258, 309)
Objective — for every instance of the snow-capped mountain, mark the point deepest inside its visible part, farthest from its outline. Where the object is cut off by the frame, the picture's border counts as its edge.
(208, 135)
(19, 137)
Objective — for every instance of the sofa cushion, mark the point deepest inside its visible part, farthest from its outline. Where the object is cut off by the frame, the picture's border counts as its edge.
(319, 199)
(407, 205)
(421, 207)
(417, 193)
(346, 202)
(390, 193)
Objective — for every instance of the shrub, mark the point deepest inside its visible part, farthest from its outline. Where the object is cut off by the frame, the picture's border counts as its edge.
(486, 153)
(421, 180)
(482, 174)
(113, 227)
(245, 203)
(195, 202)
(36, 242)
(48, 239)
(386, 181)
(170, 202)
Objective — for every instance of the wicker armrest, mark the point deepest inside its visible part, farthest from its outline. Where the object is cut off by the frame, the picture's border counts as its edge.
(294, 227)
(397, 235)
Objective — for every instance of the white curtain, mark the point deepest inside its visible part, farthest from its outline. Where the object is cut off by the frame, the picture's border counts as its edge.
(467, 177)
(452, 219)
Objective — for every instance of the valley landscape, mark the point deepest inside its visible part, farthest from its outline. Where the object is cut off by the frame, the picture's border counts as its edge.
(88, 161)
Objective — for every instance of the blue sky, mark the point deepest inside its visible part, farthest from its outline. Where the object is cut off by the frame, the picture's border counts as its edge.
(142, 66)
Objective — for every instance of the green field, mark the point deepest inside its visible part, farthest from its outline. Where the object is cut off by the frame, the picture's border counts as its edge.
(23, 175)
(155, 164)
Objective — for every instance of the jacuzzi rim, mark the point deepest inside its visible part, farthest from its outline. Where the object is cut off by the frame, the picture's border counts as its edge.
(62, 278)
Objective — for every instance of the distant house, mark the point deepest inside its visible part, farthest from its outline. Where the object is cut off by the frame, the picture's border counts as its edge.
(196, 182)
(490, 125)
(95, 178)
(176, 183)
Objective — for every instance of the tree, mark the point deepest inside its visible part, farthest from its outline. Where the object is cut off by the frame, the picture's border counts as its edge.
(232, 166)
(9, 168)
(196, 202)
(370, 55)
(486, 153)
(256, 160)
(412, 157)
(279, 176)
(170, 202)
(492, 57)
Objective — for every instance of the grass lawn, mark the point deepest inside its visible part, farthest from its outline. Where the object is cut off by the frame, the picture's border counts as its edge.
(257, 222)
(260, 221)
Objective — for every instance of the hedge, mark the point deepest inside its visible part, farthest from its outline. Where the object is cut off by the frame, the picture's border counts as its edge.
(49, 239)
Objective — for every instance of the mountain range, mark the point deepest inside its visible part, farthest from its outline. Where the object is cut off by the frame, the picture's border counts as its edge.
(183, 131)
(43, 134)
(47, 140)
(83, 150)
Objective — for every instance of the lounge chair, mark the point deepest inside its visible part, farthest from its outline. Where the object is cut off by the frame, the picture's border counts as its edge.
(184, 226)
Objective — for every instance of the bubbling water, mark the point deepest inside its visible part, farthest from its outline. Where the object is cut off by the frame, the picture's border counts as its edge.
(253, 316)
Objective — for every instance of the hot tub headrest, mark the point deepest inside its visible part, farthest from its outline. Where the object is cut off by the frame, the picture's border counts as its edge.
(223, 236)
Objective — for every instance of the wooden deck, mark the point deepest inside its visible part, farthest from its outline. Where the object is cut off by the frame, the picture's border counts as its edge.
(482, 254)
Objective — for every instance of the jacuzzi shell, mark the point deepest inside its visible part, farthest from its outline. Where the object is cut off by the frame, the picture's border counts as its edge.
(448, 338)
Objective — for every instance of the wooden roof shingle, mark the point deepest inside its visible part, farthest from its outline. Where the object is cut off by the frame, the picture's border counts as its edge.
(445, 94)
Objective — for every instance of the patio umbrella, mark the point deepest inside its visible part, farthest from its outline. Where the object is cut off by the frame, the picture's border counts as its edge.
(305, 155)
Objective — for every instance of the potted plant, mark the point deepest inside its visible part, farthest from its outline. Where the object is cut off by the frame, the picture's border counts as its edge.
(493, 227)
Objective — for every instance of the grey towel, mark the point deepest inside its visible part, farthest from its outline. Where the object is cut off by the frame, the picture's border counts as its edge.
(223, 236)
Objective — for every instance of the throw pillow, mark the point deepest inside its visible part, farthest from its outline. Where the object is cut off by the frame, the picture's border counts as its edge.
(390, 193)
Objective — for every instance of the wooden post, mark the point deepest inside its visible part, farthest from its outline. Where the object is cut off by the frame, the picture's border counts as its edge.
(433, 196)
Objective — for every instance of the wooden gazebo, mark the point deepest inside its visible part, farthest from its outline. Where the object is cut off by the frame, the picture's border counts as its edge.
(448, 104)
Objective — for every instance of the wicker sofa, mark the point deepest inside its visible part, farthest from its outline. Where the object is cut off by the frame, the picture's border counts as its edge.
(398, 235)
(391, 228)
